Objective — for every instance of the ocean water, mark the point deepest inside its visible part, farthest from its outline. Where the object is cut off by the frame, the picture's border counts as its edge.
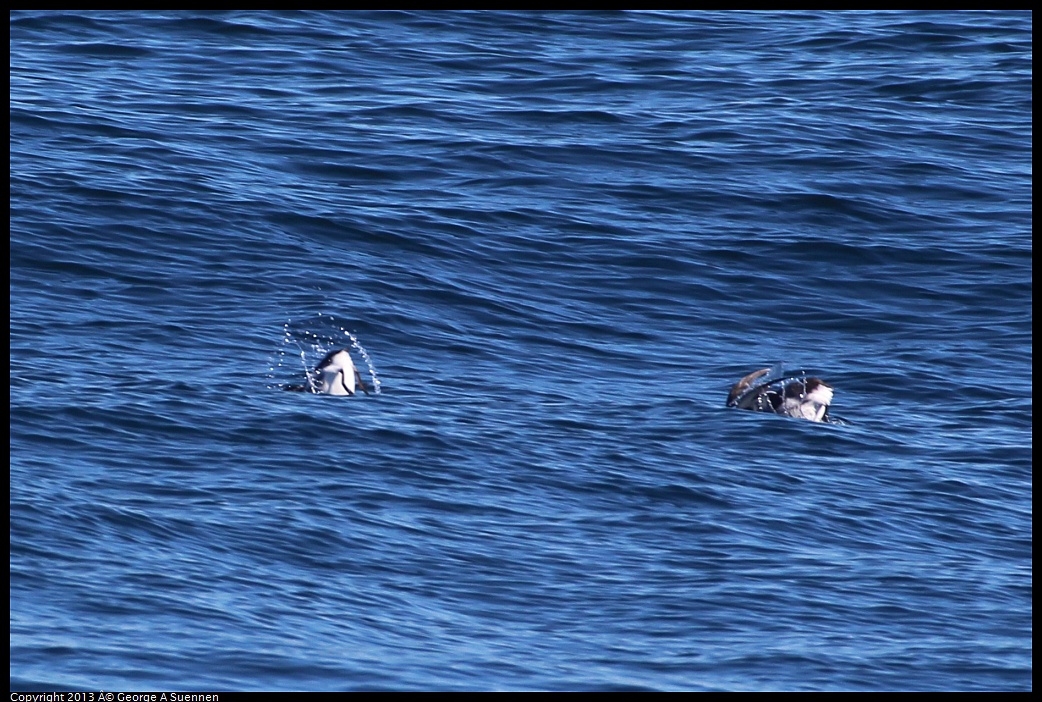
(558, 238)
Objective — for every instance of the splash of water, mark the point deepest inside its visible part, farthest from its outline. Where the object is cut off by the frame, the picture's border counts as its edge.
(312, 339)
(365, 357)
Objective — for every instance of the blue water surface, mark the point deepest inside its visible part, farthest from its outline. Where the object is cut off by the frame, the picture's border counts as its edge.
(559, 238)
